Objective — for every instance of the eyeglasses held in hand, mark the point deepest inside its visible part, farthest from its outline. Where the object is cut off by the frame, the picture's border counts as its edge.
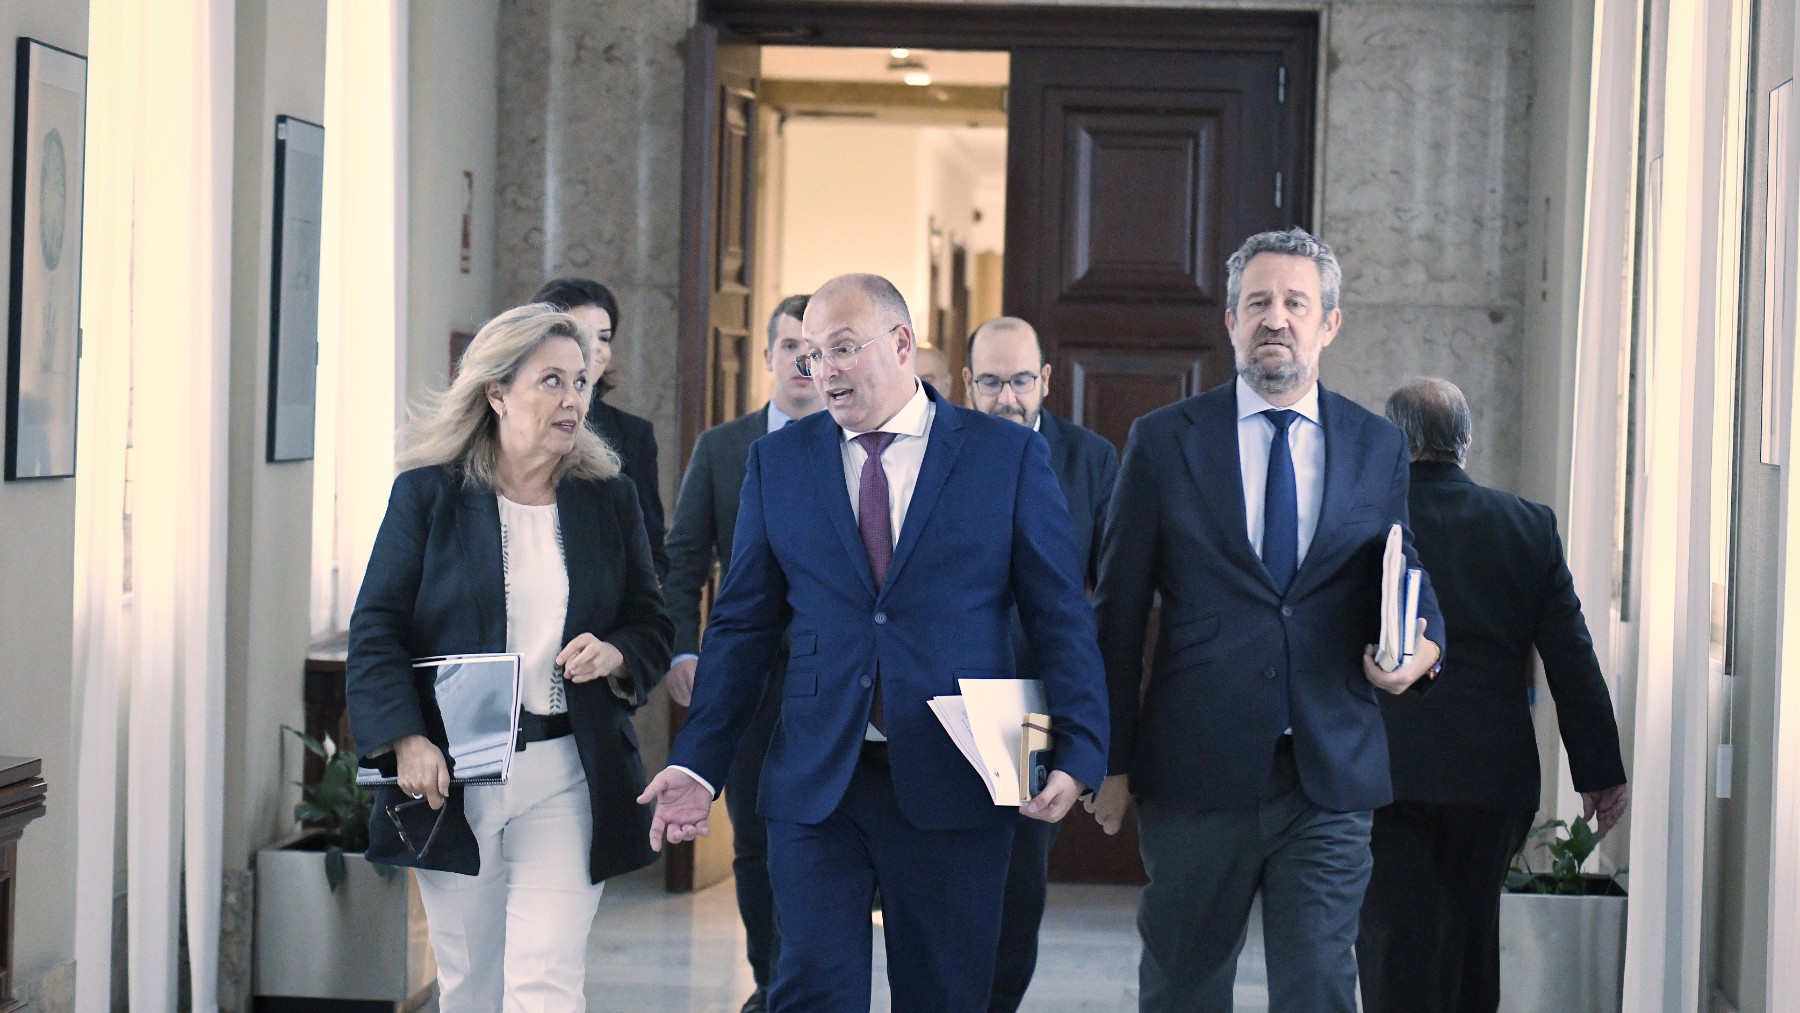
(841, 355)
(393, 814)
(1020, 383)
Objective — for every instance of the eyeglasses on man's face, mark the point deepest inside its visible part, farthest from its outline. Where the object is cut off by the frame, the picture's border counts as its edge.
(842, 354)
(1021, 383)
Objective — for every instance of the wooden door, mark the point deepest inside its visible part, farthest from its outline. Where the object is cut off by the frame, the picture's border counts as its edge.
(717, 317)
(1132, 175)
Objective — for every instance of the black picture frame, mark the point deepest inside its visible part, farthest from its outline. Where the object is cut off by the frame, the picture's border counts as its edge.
(43, 319)
(294, 288)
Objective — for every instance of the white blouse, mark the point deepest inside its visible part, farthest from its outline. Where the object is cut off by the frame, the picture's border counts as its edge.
(537, 600)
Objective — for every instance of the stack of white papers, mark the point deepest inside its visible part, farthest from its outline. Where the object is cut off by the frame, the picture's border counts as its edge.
(478, 698)
(1399, 605)
(986, 723)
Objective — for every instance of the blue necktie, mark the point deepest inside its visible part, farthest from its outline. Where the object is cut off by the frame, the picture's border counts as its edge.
(1281, 505)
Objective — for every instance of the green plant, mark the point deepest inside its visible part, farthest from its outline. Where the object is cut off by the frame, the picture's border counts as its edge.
(337, 806)
(1568, 853)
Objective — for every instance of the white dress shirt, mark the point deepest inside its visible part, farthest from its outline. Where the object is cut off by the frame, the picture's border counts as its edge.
(537, 600)
(1306, 442)
(911, 426)
(777, 417)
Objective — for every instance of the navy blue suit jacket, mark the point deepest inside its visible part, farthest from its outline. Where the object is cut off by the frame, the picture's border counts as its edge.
(986, 527)
(1229, 643)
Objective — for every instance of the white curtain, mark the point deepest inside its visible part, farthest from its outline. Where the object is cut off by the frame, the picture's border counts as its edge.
(362, 281)
(158, 293)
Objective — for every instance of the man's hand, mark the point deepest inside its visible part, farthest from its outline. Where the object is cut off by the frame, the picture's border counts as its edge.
(1109, 803)
(680, 681)
(682, 805)
(1608, 804)
(423, 772)
(1401, 679)
(587, 658)
(1055, 801)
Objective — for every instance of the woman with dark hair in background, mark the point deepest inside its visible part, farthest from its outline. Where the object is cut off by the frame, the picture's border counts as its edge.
(510, 529)
(632, 438)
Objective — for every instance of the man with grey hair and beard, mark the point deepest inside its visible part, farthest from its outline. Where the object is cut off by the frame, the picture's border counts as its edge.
(1465, 760)
(1258, 511)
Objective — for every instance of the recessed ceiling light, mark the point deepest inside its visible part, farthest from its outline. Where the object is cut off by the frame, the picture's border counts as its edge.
(917, 78)
(899, 54)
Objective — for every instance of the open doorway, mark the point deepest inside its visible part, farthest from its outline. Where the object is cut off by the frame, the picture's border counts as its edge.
(1139, 146)
(891, 161)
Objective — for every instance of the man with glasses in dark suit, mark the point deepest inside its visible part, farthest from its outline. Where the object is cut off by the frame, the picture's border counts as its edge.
(1008, 378)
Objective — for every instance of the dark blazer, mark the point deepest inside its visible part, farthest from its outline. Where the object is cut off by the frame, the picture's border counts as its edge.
(986, 527)
(436, 585)
(1497, 563)
(634, 440)
(1086, 467)
(705, 516)
(1205, 734)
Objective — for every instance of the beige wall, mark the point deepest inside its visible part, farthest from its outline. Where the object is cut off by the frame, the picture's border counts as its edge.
(452, 108)
(37, 594)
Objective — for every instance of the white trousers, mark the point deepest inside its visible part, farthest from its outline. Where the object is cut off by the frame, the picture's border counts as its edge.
(515, 936)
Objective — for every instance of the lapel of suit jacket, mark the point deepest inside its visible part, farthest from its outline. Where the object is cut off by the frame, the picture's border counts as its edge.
(478, 530)
(940, 455)
(1346, 454)
(828, 475)
(1212, 457)
(587, 566)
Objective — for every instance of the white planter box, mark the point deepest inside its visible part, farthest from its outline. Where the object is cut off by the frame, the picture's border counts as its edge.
(1560, 953)
(366, 941)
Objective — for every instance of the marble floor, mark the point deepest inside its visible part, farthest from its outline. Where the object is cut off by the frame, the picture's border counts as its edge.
(655, 951)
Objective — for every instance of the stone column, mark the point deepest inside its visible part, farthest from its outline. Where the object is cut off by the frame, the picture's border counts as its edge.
(590, 176)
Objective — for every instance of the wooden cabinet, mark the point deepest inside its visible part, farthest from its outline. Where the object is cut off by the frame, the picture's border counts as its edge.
(22, 792)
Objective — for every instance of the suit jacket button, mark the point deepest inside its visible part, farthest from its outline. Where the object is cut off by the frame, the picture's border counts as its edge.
(881, 618)
(1268, 673)
(1287, 611)
(867, 682)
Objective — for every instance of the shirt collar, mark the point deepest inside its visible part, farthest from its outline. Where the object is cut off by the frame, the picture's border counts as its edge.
(777, 417)
(911, 420)
(1249, 402)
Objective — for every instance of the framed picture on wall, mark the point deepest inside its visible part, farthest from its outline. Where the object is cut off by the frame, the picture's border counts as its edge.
(43, 338)
(294, 288)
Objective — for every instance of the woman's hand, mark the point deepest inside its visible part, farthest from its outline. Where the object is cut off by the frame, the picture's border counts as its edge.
(423, 772)
(587, 658)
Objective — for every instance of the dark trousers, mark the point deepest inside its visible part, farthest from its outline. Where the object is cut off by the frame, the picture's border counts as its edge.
(750, 842)
(1027, 879)
(1430, 936)
(940, 905)
(1310, 865)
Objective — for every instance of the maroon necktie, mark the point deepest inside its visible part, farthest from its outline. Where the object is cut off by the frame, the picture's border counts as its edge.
(877, 535)
(872, 506)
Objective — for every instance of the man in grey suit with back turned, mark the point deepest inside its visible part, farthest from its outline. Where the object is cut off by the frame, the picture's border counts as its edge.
(705, 516)
(1259, 511)
(1007, 377)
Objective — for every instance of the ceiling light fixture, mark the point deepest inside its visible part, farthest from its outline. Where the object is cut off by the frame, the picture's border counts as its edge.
(917, 78)
(910, 67)
(899, 54)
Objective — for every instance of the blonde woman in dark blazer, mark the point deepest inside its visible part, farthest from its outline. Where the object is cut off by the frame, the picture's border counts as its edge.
(510, 529)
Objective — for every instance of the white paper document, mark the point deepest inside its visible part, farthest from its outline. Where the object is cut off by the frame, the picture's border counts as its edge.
(478, 698)
(1399, 604)
(986, 723)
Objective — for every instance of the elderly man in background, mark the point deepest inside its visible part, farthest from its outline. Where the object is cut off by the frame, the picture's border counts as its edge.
(705, 517)
(1007, 377)
(1464, 758)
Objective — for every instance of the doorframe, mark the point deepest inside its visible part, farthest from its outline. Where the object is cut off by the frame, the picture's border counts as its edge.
(1297, 35)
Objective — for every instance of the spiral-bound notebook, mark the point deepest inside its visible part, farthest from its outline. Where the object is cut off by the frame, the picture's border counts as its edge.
(478, 696)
